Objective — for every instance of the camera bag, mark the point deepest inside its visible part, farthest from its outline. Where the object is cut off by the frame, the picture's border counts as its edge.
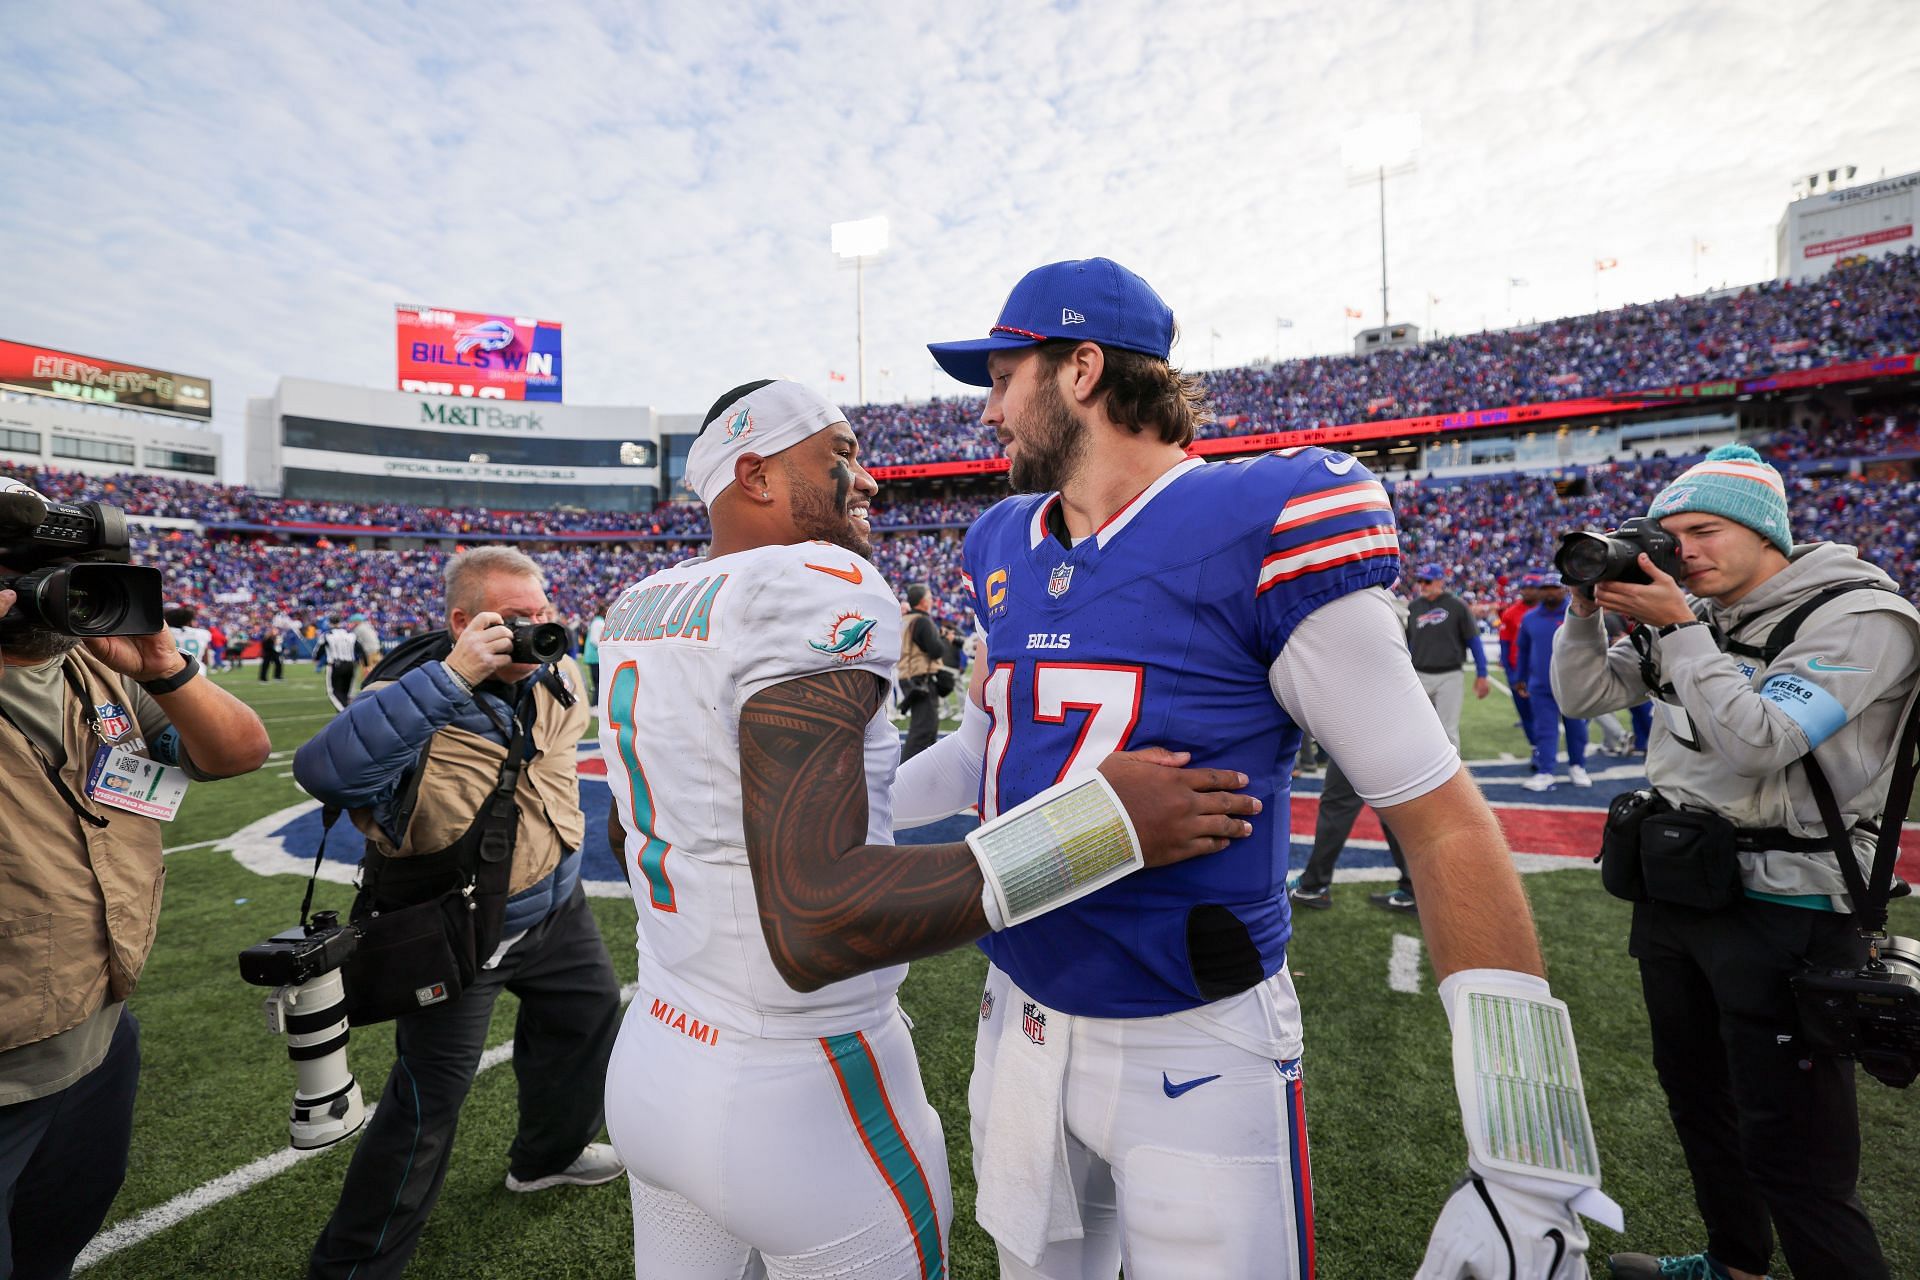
(428, 922)
(1619, 856)
(1689, 858)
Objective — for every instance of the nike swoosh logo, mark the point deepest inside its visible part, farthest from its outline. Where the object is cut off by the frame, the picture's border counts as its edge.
(1175, 1090)
(1815, 664)
(1341, 467)
(849, 574)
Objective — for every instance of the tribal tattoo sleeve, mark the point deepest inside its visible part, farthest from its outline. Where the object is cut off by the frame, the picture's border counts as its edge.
(832, 906)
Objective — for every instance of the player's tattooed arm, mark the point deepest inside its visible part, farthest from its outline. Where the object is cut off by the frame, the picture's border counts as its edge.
(831, 905)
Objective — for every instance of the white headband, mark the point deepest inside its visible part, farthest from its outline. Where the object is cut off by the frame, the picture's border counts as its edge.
(766, 421)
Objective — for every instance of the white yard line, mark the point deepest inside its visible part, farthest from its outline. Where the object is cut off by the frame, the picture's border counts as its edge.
(145, 1226)
(182, 848)
(1403, 966)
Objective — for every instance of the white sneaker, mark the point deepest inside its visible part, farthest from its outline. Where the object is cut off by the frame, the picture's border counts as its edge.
(1538, 782)
(1579, 776)
(598, 1163)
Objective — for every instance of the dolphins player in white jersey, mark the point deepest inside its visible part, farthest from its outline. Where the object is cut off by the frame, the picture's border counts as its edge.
(764, 1090)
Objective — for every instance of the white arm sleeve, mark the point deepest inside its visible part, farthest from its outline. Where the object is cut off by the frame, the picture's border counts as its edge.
(945, 778)
(1345, 677)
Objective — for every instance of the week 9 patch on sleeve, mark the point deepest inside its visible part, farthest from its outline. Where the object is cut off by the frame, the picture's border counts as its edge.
(1818, 713)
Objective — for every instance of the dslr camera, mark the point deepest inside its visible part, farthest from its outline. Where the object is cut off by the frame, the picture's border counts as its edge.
(1870, 1014)
(540, 642)
(1586, 557)
(68, 566)
(308, 1005)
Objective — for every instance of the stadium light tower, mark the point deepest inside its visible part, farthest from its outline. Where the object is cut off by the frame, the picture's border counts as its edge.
(1374, 152)
(858, 241)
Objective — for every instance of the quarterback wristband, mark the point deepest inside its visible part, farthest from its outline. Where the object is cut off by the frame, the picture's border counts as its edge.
(1069, 840)
(167, 684)
(1517, 1075)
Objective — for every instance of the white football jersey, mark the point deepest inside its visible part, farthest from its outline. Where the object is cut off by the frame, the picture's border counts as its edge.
(681, 653)
(193, 642)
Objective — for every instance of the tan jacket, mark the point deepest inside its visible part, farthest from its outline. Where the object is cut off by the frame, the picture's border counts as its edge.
(914, 661)
(79, 904)
(461, 770)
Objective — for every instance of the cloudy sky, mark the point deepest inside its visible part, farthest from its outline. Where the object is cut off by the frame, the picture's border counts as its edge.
(245, 191)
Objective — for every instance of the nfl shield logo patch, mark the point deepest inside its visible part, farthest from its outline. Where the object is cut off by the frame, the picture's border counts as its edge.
(115, 723)
(986, 1005)
(1034, 1022)
(1059, 580)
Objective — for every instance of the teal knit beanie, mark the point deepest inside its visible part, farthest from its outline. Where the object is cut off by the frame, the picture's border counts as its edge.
(1735, 482)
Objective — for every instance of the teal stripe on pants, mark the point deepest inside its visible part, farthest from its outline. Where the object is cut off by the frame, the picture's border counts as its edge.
(866, 1097)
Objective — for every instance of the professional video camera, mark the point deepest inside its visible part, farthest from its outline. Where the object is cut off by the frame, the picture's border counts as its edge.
(540, 642)
(68, 565)
(1586, 557)
(1871, 1014)
(308, 1006)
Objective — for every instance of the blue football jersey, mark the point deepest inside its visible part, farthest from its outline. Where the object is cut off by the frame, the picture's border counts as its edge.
(1159, 631)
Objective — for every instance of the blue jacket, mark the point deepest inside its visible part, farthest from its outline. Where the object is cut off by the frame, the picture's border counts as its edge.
(362, 758)
(1535, 659)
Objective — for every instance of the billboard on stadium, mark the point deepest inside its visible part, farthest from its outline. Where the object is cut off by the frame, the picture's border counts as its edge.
(476, 353)
(1838, 228)
(90, 380)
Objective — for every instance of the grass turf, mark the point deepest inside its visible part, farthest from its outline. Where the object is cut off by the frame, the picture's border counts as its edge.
(1385, 1134)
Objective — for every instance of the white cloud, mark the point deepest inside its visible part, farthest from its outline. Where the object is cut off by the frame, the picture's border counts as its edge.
(246, 193)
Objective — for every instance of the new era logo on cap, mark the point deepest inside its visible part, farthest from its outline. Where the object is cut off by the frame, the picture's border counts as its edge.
(1089, 300)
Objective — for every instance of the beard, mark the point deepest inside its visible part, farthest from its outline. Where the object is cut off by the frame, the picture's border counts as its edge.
(33, 645)
(1051, 442)
(822, 516)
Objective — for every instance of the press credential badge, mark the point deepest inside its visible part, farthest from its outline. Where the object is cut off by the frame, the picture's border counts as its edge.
(122, 779)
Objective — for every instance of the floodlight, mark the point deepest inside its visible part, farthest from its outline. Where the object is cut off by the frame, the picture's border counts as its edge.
(1384, 143)
(861, 239)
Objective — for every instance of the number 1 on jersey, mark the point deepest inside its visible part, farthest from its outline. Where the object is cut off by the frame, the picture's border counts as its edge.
(623, 710)
(1107, 693)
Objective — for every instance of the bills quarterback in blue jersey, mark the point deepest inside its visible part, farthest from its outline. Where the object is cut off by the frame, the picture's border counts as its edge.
(1138, 1097)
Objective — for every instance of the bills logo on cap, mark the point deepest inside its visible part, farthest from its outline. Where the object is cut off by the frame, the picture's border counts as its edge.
(1033, 1021)
(115, 723)
(1059, 580)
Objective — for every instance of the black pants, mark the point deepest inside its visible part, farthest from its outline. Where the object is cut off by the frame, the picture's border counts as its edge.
(1771, 1134)
(569, 1015)
(923, 722)
(340, 684)
(1340, 804)
(62, 1160)
(271, 658)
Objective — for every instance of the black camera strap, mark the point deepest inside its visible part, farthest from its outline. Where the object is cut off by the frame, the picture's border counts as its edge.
(1870, 894)
(328, 816)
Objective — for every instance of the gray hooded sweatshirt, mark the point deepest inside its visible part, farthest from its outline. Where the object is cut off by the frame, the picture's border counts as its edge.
(1842, 688)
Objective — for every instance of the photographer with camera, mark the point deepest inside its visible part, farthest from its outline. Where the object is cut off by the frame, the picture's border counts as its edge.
(923, 673)
(1783, 676)
(95, 700)
(414, 759)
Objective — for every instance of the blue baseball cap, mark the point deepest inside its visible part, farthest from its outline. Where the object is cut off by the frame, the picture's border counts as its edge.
(1088, 299)
(1431, 573)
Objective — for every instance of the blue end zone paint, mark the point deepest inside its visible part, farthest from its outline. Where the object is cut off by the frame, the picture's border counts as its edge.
(284, 843)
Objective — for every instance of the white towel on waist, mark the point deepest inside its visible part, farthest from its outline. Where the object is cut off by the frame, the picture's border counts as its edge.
(1026, 1197)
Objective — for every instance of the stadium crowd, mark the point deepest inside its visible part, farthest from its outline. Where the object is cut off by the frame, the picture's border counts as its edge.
(1484, 531)
(1857, 313)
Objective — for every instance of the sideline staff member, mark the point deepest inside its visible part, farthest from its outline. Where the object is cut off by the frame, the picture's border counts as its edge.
(460, 698)
(922, 654)
(79, 903)
(1770, 1130)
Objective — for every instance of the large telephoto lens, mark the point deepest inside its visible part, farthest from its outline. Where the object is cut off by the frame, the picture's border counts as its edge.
(327, 1105)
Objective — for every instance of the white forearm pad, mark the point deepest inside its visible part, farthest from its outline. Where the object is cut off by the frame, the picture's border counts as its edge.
(945, 778)
(1069, 840)
(1518, 1077)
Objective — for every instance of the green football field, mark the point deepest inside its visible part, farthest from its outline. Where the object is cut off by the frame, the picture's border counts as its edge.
(212, 1190)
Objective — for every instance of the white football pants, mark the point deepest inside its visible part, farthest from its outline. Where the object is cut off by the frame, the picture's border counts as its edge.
(796, 1158)
(1187, 1155)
